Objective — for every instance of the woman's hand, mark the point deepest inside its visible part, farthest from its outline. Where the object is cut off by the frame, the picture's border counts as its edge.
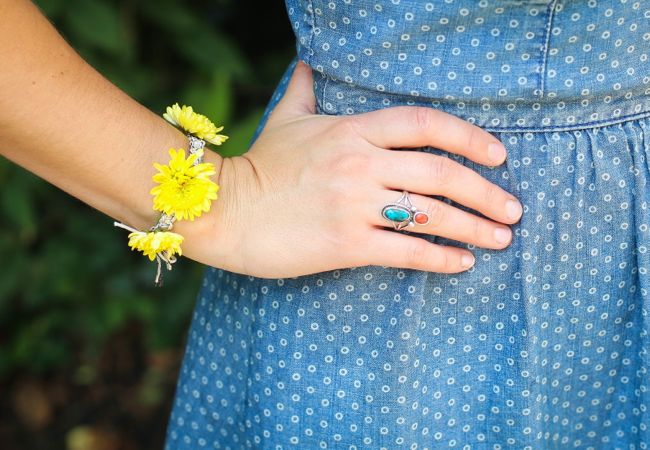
(307, 196)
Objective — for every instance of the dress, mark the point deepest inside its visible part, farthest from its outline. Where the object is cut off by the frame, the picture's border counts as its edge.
(541, 345)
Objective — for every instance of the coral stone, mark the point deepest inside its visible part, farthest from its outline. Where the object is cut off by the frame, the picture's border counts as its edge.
(421, 218)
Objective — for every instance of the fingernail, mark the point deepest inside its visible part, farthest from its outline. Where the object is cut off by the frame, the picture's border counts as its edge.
(502, 235)
(467, 260)
(513, 209)
(496, 152)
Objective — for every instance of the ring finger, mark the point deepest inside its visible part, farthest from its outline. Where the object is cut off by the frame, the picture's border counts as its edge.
(432, 174)
(444, 220)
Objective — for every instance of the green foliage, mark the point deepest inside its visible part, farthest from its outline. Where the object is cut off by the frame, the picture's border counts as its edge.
(69, 281)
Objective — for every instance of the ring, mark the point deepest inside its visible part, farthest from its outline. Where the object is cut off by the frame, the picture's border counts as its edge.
(403, 213)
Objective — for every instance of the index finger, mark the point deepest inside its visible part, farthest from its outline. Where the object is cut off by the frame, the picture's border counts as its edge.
(416, 126)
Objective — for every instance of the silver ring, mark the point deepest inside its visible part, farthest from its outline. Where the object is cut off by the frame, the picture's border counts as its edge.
(402, 213)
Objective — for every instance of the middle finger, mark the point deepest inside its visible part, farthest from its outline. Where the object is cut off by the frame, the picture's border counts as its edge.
(428, 174)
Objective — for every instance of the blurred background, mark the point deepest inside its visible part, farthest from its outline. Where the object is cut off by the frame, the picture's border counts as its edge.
(89, 349)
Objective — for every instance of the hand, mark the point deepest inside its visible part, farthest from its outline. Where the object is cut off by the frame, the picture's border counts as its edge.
(307, 196)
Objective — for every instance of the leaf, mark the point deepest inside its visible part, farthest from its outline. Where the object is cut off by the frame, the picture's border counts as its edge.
(18, 205)
(211, 50)
(173, 16)
(11, 278)
(51, 8)
(63, 292)
(98, 23)
(240, 136)
(139, 82)
(214, 100)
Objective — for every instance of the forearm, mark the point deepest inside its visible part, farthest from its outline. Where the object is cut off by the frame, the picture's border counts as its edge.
(63, 121)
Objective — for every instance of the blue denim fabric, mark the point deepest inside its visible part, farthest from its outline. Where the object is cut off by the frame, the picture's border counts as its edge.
(541, 345)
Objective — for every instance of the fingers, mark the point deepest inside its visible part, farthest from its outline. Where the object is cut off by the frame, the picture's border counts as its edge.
(438, 175)
(445, 220)
(298, 99)
(394, 249)
(412, 126)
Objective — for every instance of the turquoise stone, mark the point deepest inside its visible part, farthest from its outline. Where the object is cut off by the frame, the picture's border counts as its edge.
(396, 214)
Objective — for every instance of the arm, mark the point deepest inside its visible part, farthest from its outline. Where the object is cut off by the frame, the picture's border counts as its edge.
(65, 122)
(304, 198)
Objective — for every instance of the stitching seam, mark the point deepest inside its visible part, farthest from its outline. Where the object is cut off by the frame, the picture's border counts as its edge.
(578, 126)
(551, 128)
(545, 48)
(312, 16)
(320, 95)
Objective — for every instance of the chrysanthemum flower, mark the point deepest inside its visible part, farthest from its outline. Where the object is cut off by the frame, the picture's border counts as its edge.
(185, 190)
(153, 242)
(194, 123)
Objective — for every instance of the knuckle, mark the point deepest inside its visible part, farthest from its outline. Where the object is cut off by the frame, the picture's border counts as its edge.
(423, 118)
(440, 170)
(349, 163)
(478, 230)
(473, 137)
(348, 126)
(334, 196)
(448, 262)
(418, 254)
(436, 214)
(492, 192)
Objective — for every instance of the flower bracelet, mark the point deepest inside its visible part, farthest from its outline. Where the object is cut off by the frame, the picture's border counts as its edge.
(184, 189)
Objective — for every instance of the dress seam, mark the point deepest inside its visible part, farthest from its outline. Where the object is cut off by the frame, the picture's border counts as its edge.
(312, 16)
(544, 129)
(545, 47)
(578, 126)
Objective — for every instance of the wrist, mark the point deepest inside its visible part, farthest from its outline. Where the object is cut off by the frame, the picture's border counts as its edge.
(141, 212)
(183, 191)
(197, 232)
(218, 237)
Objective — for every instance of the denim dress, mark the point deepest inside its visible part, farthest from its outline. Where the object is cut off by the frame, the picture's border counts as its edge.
(541, 345)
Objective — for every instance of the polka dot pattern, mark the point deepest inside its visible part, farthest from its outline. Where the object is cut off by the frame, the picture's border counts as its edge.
(543, 344)
(499, 64)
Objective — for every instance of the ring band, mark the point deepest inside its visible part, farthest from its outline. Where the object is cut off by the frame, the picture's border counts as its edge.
(402, 213)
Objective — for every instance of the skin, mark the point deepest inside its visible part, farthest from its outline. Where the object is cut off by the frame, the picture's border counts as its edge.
(304, 198)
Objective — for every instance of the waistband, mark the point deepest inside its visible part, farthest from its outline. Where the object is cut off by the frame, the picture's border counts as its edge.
(336, 97)
(503, 65)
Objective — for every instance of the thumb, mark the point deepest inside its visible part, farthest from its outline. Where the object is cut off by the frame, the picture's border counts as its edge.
(298, 99)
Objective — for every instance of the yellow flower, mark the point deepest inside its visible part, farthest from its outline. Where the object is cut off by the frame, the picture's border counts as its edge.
(153, 242)
(194, 123)
(185, 190)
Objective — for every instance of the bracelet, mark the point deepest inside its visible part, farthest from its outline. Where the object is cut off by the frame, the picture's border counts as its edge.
(184, 190)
